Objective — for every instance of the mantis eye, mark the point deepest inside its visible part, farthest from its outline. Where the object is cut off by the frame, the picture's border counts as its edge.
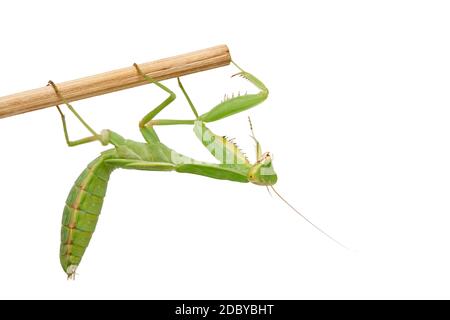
(265, 158)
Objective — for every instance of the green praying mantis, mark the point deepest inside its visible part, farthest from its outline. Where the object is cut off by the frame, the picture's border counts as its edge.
(85, 200)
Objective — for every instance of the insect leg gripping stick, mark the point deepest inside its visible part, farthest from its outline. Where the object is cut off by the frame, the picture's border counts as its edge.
(85, 200)
(115, 80)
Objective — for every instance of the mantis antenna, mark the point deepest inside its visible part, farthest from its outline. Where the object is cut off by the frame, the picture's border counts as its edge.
(307, 220)
(258, 145)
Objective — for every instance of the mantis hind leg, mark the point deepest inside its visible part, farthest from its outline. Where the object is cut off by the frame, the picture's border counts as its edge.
(148, 122)
(71, 143)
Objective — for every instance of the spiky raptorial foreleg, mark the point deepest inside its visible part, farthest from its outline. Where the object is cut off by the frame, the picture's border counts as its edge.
(71, 143)
(222, 110)
(237, 104)
(226, 151)
(220, 147)
(223, 149)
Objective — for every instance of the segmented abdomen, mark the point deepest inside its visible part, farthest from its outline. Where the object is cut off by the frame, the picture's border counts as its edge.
(81, 212)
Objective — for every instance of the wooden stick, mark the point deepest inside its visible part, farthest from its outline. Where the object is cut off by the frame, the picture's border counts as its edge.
(115, 80)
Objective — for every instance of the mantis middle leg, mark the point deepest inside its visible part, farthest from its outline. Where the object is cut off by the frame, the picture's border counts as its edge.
(145, 125)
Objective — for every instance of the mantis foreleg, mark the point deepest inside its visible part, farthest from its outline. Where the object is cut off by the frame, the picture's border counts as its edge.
(225, 151)
(239, 103)
(224, 109)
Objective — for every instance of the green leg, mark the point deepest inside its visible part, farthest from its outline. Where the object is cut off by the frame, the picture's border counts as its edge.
(140, 165)
(222, 149)
(237, 173)
(217, 171)
(147, 122)
(237, 104)
(222, 110)
(66, 134)
(95, 136)
(187, 98)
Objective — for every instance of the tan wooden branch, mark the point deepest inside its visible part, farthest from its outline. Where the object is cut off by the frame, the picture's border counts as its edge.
(115, 80)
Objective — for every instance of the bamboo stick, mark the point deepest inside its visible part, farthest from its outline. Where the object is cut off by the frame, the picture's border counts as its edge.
(116, 80)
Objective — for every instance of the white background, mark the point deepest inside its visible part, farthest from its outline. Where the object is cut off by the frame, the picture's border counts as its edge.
(357, 118)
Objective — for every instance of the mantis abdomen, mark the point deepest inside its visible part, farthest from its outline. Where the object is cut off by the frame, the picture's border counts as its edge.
(81, 212)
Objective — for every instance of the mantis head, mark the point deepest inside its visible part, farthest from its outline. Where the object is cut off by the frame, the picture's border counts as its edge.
(262, 172)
